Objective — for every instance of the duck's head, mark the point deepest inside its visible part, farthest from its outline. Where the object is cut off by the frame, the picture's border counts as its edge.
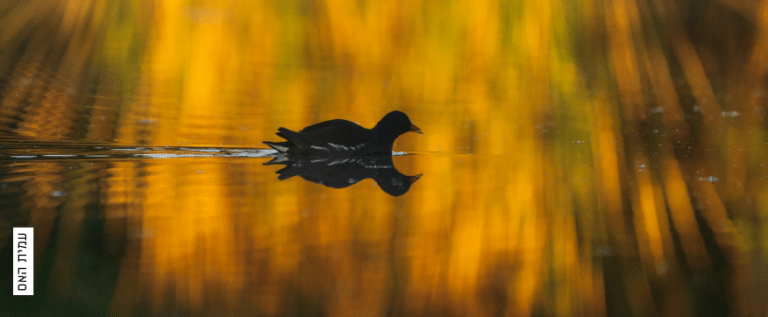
(396, 123)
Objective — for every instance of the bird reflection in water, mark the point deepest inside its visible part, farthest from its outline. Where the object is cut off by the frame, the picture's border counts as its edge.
(344, 171)
(338, 153)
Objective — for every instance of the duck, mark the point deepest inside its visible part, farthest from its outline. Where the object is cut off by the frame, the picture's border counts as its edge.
(340, 137)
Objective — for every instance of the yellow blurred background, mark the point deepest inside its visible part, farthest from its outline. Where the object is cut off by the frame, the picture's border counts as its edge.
(581, 158)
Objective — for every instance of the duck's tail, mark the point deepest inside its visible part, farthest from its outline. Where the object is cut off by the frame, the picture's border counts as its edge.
(294, 138)
(281, 147)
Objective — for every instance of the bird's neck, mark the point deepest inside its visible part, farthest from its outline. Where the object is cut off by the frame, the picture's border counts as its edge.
(380, 134)
(383, 140)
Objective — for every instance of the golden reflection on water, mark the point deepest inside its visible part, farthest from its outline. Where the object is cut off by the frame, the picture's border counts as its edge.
(579, 158)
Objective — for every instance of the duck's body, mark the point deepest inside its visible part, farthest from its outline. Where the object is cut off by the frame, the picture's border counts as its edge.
(341, 137)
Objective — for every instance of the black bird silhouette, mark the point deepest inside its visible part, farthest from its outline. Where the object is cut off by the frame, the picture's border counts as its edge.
(344, 171)
(339, 153)
(335, 137)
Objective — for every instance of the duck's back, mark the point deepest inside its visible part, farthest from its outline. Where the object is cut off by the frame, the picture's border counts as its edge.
(331, 137)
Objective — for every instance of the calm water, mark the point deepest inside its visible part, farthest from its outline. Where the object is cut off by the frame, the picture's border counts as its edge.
(578, 159)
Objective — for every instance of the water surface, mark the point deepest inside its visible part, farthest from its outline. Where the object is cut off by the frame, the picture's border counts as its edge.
(578, 159)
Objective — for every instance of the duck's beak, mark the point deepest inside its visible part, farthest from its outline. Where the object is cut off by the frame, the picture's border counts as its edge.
(415, 178)
(416, 129)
